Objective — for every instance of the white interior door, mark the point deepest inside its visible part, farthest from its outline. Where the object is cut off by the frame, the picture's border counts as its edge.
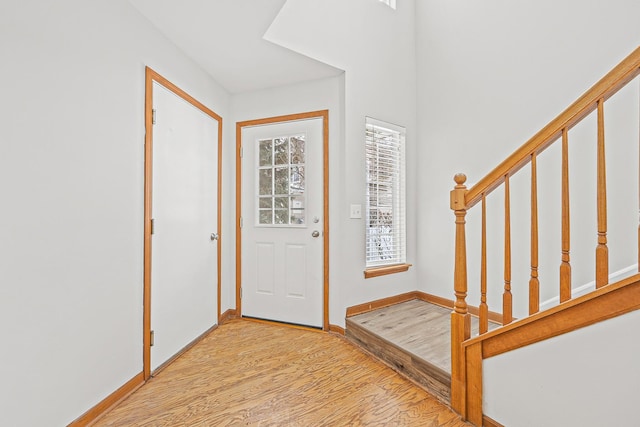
(184, 256)
(282, 222)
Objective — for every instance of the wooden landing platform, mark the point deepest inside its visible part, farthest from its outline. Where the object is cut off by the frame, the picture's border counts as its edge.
(414, 338)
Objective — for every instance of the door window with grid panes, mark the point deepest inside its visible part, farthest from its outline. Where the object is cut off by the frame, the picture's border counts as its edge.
(281, 183)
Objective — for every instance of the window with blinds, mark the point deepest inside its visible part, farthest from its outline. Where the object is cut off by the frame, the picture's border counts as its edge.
(385, 204)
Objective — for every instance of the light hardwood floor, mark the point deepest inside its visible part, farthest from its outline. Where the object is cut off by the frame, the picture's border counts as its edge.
(256, 374)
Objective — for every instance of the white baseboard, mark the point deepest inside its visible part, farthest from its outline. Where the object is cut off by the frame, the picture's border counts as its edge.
(586, 288)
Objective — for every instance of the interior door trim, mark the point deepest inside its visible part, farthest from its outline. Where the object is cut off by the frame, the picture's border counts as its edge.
(150, 77)
(324, 115)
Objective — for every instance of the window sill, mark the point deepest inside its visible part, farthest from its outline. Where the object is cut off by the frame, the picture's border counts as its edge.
(387, 269)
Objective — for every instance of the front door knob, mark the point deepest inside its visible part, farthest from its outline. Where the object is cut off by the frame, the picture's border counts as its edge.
(315, 233)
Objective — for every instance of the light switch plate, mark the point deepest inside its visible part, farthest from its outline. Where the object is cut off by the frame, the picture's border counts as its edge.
(356, 212)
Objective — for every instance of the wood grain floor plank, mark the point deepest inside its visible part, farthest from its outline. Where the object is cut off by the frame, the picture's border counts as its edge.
(253, 374)
(417, 326)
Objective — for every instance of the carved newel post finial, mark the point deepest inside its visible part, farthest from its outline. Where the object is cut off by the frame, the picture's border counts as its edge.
(458, 192)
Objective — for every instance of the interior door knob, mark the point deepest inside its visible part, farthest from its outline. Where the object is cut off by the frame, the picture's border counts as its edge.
(214, 236)
(315, 233)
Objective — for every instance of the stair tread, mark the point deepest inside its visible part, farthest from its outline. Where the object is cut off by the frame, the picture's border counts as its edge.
(419, 327)
(366, 338)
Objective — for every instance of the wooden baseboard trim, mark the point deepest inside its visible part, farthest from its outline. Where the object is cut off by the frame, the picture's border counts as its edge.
(423, 296)
(228, 315)
(384, 302)
(488, 422)
(434, 299)
(183, 350)
(447, 303)
(109, 402)
(336, 329)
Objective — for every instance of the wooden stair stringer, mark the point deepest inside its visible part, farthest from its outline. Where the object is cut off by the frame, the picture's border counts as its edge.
(605, 303)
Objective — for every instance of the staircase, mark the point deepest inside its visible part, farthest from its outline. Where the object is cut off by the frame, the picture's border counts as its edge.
(392, 337)
(607, 300)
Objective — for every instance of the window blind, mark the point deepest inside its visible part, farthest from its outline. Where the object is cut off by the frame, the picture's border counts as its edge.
(385, 199)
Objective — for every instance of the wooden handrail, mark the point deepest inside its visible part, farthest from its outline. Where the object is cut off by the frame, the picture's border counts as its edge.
(624, 72)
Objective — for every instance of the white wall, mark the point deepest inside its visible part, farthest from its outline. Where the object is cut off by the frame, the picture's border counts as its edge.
(71, 180)
(587, 378)
(490, 75)
(375, 45)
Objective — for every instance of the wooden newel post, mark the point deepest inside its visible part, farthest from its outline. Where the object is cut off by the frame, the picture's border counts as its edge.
(460, 318)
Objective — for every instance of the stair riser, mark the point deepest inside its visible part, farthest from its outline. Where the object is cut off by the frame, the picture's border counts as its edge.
(419, 371)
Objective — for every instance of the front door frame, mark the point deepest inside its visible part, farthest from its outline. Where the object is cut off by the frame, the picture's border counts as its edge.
(150, 77)
(324, 115)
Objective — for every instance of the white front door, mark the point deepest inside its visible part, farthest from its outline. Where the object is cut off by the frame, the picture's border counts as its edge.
(184, 256)
(282, 222)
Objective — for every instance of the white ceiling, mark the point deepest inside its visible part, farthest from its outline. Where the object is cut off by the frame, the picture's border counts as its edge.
(225, 38)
